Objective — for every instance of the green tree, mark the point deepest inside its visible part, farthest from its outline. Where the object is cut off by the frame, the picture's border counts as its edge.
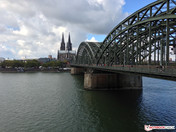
(32, 63)
(7, 63)
(17, 63)
(54, 64)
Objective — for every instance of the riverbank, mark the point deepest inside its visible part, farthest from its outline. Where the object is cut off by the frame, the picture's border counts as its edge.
(13, 70)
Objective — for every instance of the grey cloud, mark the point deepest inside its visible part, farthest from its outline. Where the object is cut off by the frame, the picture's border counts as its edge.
(100, 16)
(36, 19)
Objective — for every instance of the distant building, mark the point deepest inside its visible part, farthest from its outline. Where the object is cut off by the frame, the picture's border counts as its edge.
(2, 59)
(66, 53)
(44, 60)
(50, 56)
(174, 49)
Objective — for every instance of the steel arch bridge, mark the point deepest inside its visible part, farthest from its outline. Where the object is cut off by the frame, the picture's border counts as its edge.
(145, 38)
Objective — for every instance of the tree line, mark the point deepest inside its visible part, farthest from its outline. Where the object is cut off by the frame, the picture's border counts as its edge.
(31, 64)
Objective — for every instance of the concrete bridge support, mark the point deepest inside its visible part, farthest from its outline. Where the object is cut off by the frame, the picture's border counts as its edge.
(110, 81)
(75, 71)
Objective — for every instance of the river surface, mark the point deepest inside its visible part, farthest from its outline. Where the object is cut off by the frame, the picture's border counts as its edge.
(57, 102)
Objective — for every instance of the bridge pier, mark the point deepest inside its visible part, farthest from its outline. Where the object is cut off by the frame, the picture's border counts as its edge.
(110, 81)
(75, 71)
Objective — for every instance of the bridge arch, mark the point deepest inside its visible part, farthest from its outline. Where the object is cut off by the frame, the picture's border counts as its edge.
(86, 52)
(144, 38)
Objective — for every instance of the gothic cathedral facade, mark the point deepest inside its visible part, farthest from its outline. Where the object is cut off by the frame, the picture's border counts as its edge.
(66, 53)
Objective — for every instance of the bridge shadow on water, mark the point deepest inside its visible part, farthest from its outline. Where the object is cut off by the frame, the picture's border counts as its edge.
(112, 110)
(127, 110)
(117, 110)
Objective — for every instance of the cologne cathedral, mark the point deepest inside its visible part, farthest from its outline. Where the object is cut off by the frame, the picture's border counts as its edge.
(66, 53)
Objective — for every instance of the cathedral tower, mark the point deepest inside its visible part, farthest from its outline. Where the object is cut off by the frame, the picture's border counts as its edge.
(66, 53)
(69, 44)
(62, 47)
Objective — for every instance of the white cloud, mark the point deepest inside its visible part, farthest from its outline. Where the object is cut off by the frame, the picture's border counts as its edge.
(34, 28)
(59, 30)
(24, 52)
(23, 31)
(21, 42)
(92, 40)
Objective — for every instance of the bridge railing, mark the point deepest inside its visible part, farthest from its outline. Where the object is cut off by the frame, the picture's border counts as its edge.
(159, 70)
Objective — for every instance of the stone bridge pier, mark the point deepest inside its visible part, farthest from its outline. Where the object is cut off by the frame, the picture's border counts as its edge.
(100, 80)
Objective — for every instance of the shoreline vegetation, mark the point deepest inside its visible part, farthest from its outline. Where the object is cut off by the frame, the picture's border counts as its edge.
(16, 66)
(14, 70)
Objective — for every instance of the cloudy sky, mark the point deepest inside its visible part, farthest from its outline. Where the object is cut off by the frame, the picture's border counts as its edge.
(33, 28)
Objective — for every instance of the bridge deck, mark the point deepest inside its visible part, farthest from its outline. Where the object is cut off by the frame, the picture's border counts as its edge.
(168, 72)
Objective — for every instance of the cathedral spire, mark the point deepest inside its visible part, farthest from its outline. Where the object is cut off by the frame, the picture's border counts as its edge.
(62, 43)
(69, 44)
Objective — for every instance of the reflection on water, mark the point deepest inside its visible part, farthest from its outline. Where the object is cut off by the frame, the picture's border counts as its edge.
(57, 102)
(114, 110)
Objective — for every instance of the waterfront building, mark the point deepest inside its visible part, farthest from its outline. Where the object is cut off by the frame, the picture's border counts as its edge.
(45, 60)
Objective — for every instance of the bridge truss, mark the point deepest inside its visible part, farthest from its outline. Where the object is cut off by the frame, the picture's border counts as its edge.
(144, 38)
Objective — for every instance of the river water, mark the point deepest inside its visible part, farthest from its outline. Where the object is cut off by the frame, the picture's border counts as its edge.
(57, 102)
